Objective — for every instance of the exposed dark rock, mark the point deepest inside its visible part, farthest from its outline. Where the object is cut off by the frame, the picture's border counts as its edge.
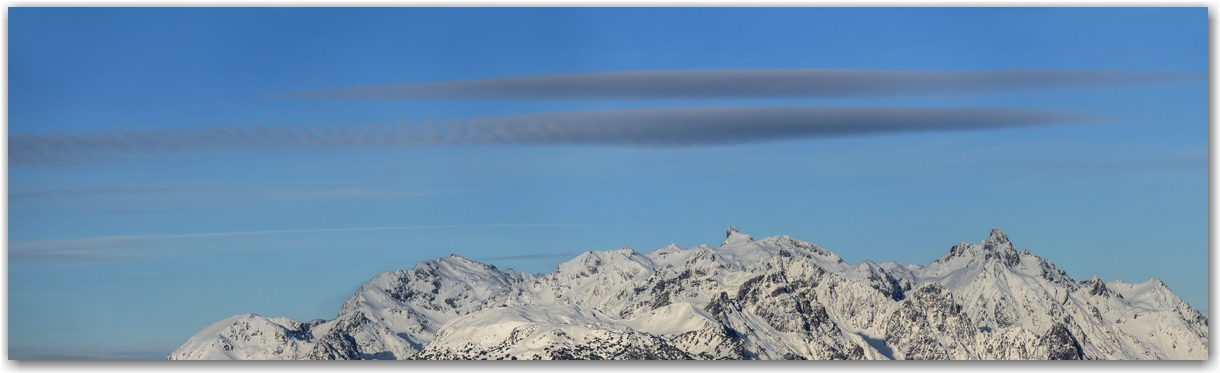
(1060, 344)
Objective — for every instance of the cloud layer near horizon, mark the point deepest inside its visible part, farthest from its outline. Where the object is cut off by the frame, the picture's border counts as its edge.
(672, 126)
(744, 84)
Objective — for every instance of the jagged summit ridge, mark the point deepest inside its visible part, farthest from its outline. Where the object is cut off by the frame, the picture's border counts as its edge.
(998, 236)
(996, 247)
(774, 298)
(735, 237)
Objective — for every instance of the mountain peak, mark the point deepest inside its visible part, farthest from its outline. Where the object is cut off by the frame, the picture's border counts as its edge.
(1096, 287)
(998, 243)
(733, 236)
(996, 246)
(998, 236)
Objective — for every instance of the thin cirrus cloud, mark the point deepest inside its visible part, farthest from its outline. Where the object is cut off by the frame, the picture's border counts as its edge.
(78, 249)
(87, 192)
(649, 127)
(105, 248)
(745, 84)
(138, 352)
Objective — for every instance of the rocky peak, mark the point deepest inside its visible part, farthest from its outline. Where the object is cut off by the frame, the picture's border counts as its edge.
(998, 236)
(733, 236)
(1096, 287)
(626, 251)
(998, 242)
(996, 247)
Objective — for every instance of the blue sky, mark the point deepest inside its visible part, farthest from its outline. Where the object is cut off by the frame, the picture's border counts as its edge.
(128, 253)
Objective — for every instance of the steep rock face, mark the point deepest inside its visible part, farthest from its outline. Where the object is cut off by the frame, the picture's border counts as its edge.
(1060, 344)
(773, 298)
(930, 325)
(783, 298)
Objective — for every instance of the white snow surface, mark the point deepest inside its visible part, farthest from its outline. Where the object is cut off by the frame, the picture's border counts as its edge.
(774, 298)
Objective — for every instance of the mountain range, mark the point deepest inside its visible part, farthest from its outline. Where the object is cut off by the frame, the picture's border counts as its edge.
(774, 298)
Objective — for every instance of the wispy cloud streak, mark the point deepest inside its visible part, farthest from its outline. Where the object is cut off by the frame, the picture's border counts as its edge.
(78, 249)
(87, 192)
(744, 84)
(154, 351)
(671, 126)
(103, 248)
(409, 227)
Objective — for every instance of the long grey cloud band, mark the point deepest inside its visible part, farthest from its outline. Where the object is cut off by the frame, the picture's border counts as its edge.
(672, 126)
(744, 84)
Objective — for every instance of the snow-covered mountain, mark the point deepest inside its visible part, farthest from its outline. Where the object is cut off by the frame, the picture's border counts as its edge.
(775, 298)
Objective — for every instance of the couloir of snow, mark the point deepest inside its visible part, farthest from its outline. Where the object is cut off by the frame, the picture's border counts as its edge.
(774, 298)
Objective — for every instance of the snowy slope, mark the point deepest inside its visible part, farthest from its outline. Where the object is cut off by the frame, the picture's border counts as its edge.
(774, 298)
(246, 337)
(544, 333)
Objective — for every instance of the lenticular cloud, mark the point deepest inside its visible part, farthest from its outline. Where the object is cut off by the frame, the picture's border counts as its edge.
(744, 84)
(673, 126)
